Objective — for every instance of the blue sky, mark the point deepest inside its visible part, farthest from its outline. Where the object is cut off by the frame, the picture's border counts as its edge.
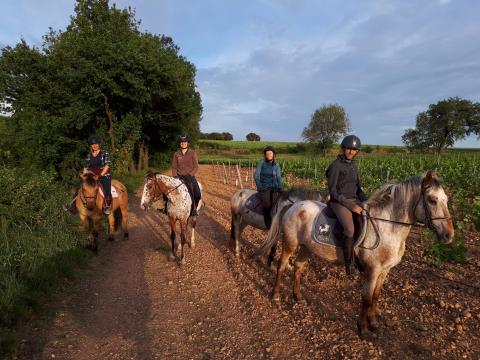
(266, 65)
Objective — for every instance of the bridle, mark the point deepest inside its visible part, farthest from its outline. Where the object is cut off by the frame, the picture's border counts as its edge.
(84, 199)
(427, 223)
(428, 215)
(156, 187)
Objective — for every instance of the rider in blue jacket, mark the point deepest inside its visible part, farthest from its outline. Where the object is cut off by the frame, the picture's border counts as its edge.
(268, 179)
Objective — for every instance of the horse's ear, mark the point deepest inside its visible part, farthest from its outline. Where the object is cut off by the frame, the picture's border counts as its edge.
(82, 175)
(429, 176)
(95, 177)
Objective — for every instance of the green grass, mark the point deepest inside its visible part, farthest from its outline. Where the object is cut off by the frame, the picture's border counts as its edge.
(39, 245)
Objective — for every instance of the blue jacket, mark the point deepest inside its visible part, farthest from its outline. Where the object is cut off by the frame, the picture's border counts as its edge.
(268, 176)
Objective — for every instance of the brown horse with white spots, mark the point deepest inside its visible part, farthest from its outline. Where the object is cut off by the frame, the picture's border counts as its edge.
(180, 203)
(89, 203)
(391, 212)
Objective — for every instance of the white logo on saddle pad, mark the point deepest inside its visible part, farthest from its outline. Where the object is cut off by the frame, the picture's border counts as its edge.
(114, 192)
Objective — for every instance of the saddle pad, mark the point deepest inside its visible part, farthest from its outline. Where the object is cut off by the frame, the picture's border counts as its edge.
(254, 203)
(323, 226)
(114, 192)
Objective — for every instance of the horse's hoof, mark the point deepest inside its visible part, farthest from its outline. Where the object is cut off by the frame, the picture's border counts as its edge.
(237, 254)
(373, 326)
(125, 236)
(272, 266)
(299, 298)
(111, 238)
(171, 257)
(276, 298)
(182, 262)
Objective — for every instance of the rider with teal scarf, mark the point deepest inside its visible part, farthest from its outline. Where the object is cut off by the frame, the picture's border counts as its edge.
(268, 179)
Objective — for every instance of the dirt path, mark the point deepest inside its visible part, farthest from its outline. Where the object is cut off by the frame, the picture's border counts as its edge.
(132, 303)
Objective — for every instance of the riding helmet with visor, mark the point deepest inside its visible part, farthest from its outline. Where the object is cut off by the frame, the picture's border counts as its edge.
(183, 138)
(351, 142)
(93, 139)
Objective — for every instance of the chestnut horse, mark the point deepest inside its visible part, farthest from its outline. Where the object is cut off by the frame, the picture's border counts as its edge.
(179, 205)
(390, 212)
(89, 203)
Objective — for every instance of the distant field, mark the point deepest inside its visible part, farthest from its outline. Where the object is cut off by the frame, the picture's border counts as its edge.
(214, 149)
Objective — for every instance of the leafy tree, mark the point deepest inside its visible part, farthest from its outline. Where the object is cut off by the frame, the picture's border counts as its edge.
(253, 137)
(442, 124)
(101, 75)
(327, 124)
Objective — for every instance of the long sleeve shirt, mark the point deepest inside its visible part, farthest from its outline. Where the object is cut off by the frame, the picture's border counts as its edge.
(184, 164)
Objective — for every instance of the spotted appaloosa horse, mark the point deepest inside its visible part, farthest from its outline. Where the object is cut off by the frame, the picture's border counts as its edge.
(89, 203)
(179, 205)
(392, 210)
(242, 216)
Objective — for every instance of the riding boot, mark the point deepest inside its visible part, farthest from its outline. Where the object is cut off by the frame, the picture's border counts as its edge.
(348, 254)
(108, 205)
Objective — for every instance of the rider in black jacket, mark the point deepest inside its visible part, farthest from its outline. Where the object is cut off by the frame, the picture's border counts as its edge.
(346, 195)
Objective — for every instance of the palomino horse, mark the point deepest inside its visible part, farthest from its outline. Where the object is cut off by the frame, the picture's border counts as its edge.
(391, 212)
(180, 203)
(243, 216)
(89, 203)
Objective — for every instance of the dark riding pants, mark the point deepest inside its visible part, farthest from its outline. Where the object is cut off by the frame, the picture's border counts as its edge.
(267, 198)
(345, 217)
(106, 182)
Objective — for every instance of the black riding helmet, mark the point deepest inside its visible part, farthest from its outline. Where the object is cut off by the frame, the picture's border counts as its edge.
(183, 137)
(93, 139)
(351, 142)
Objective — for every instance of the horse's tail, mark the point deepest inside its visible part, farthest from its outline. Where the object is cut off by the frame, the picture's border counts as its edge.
(274, 231)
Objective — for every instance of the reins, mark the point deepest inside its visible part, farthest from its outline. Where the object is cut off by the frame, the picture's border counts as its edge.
(155, 197)
(428, 220)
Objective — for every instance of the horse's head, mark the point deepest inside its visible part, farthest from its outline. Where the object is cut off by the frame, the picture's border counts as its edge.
(432, 207)
(89, 189)
(151, 191)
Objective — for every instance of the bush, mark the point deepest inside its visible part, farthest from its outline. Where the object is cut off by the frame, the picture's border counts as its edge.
(38, 245)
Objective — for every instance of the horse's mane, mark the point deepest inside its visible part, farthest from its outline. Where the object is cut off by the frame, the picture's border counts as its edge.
(397, 194)
(302, 193)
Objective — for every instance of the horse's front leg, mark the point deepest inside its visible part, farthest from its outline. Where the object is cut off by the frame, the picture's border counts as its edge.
(369, 279)
(96, 227)
(373, 312)
(183, 238)
(111, 226)
(173, 254)
(192, 237)
(90, 240)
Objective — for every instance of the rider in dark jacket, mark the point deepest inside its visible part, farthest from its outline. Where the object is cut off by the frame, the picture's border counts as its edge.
(98, 162)
(346, 195)
(268, 179)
